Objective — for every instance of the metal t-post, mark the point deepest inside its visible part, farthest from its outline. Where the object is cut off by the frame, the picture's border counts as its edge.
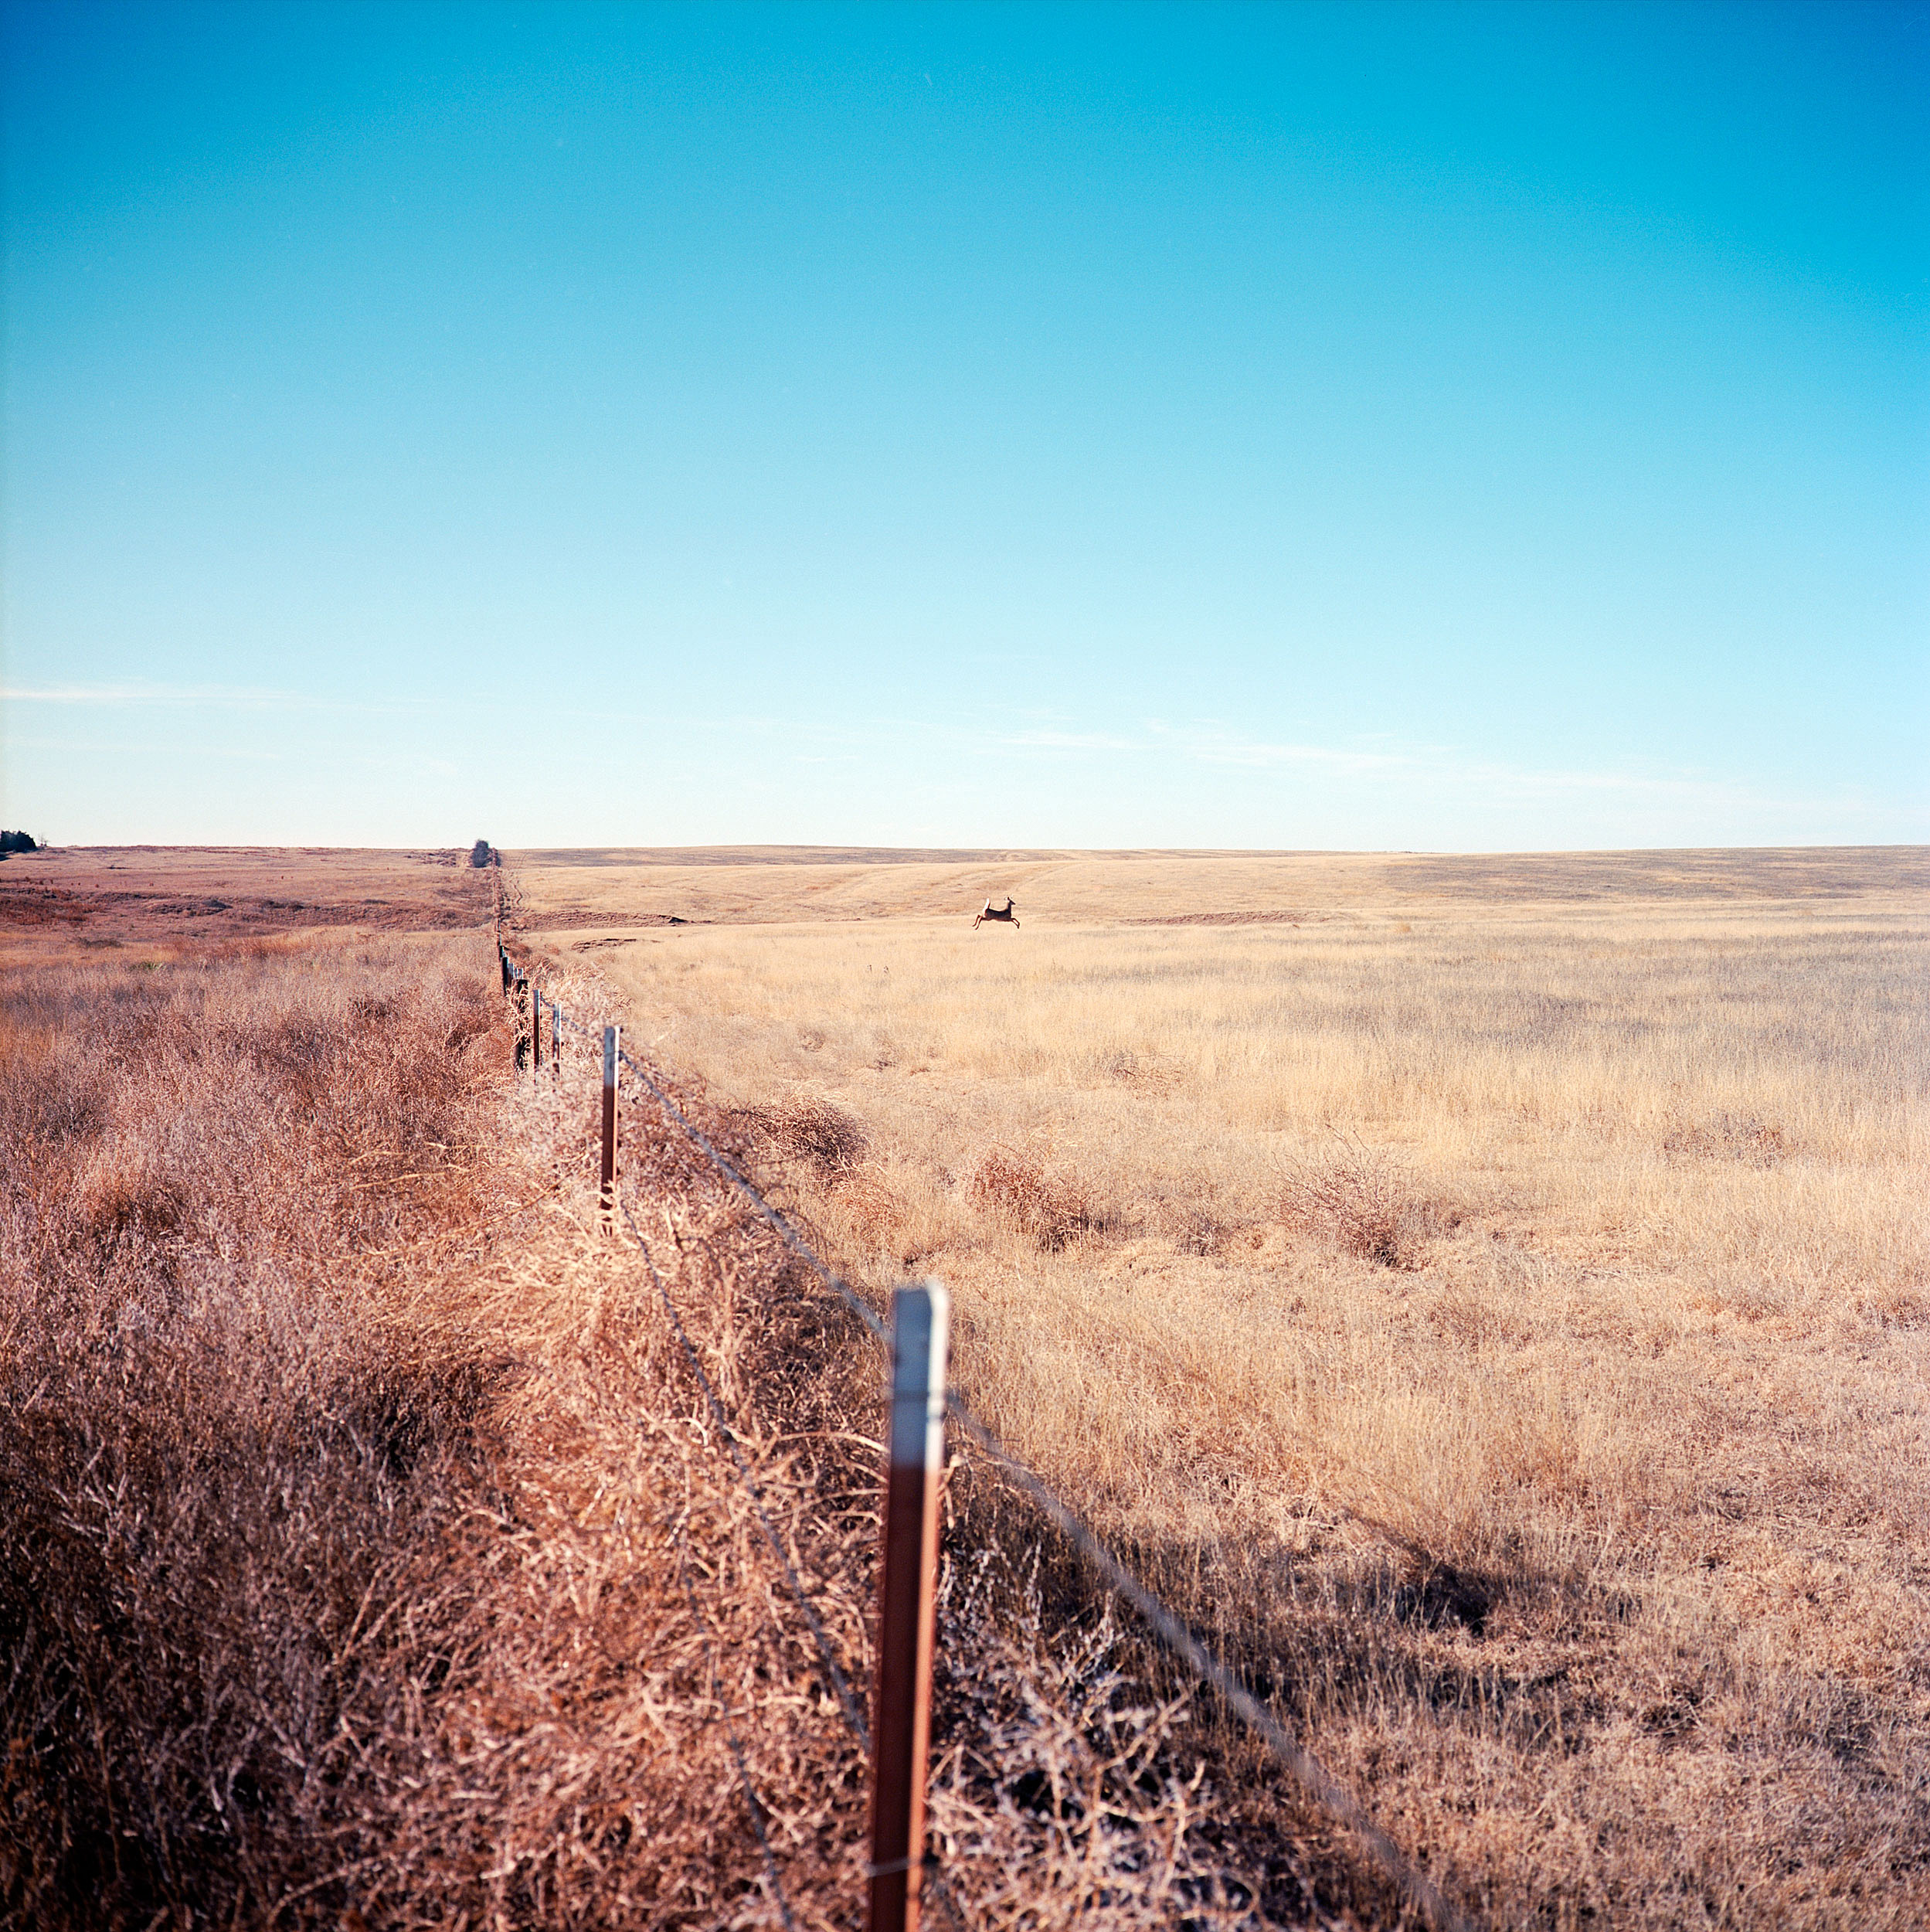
(902, 1711)
(607, 1192)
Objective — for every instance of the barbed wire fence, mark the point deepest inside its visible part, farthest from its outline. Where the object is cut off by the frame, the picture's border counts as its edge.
(1417, 1892)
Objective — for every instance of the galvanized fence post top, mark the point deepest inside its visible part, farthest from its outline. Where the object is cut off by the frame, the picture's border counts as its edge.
(908, 1571)
(920, 1324)
(606, 1186)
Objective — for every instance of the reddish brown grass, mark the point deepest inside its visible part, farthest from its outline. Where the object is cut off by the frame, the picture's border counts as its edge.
(1053, 1207)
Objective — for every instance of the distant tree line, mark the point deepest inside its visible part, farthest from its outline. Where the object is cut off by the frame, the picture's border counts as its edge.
(12, 841)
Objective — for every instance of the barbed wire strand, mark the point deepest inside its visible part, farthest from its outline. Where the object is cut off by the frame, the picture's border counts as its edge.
(770, 1215)
(1415, 1886)
(853, 1717)
(1418, 1889)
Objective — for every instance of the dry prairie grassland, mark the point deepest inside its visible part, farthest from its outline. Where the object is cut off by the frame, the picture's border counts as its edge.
(775, 885)
(369, 1555)
(105, 896)
(1503, 1324)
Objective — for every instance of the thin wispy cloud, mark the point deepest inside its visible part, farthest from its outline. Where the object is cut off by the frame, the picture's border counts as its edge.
(1214, 745)
(1443, 768)
(263, 700)
(142, 696)
(1071, 741)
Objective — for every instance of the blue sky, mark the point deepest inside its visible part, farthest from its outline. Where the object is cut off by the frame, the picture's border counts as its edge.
(1443, 427)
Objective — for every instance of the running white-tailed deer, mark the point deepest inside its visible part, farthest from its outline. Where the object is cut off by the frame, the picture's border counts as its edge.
(1005, 913)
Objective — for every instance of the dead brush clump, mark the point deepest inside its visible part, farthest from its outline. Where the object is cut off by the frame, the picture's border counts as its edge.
(127, 1191)
(1362, 1201)
(1049, 1749)
(818, 1131)
(1725, 1136)
(1053, 1209)
(872, 1216)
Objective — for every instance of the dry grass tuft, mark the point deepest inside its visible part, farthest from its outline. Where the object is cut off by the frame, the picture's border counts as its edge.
(874, 1217)
(1364, 1202)
(1052, 1208)
(1725, 1136)
(816, 1130)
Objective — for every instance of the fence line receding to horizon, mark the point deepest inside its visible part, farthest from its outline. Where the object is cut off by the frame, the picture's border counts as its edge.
(907, 1614)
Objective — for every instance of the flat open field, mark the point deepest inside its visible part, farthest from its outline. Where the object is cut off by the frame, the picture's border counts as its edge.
(776, 884)
(1492, 1294)
(108, 895)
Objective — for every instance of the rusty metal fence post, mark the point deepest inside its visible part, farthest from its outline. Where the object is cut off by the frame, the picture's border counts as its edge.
(902, 1710)
(607, 1190)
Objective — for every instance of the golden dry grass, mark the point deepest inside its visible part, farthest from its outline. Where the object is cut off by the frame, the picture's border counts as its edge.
(1505, 1323)
(806, 885)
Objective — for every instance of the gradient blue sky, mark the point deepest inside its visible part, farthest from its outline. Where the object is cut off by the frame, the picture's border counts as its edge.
(1456, 426)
